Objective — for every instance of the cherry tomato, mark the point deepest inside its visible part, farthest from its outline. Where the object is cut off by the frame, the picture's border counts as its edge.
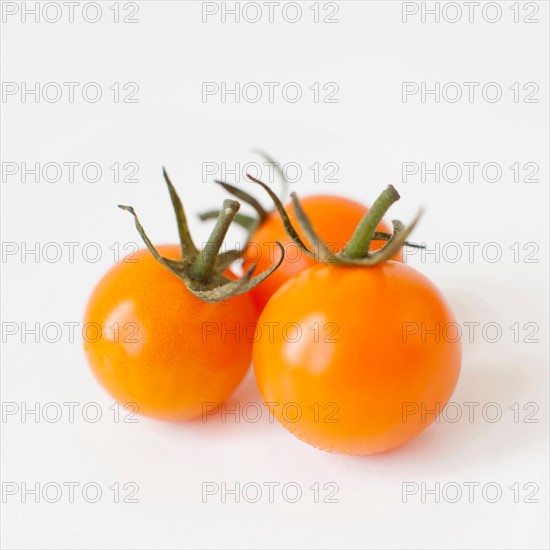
(147, 339)
(350, 366)
(334, 218)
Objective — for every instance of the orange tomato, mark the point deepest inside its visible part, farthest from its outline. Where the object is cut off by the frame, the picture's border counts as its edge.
(350, 366)
(148, 339)
(334, 218)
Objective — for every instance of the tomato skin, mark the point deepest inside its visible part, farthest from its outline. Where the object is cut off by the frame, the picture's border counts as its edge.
(334, 219)
(368, 381)
(169, 367)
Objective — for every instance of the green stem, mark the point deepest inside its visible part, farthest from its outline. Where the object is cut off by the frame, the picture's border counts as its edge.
(187, 246)
(205, 263)
(246, 222)
(358, 246)
(246, 197)
(284, 182)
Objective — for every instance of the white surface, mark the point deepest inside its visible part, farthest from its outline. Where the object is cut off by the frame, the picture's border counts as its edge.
(370, 132)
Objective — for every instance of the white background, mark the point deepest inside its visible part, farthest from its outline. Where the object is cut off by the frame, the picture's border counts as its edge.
(369, 133)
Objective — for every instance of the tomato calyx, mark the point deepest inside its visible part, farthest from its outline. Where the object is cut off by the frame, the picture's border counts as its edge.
(250, 223)
(203, 271)
(356, 252)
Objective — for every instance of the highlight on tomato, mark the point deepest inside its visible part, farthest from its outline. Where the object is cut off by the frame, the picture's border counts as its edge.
(146, 318)
(335, 217)
(351, 367)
